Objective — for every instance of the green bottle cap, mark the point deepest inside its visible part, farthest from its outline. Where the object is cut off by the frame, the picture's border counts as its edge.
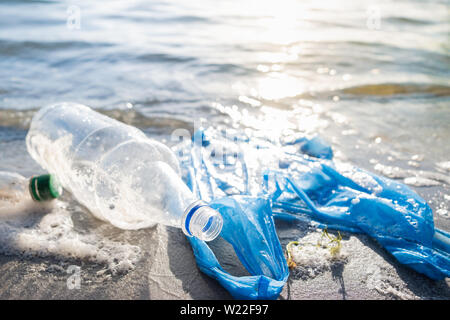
(45, 187)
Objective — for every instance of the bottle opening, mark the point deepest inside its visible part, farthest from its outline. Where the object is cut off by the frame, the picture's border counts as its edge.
(201, 221)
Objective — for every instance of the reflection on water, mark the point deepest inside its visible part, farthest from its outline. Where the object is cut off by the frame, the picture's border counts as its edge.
(371, 78)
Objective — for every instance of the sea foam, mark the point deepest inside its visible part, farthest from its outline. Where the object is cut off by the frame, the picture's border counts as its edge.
(31, 230)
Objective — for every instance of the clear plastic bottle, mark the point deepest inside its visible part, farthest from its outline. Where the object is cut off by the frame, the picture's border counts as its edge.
(18, 194)
(118, 173)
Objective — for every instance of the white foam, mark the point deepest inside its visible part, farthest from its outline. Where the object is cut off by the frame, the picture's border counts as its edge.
(445, 165)
(418, 178)
(420, 182)
(391, 172)
(443, 212)
(314, 259)
(30, 233)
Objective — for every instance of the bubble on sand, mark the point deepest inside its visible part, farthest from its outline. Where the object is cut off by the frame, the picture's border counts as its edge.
(443, 212)
(444, 166)
(379, 279)
(417, 178)
(420, 182)
(414, 164)
(391, 172)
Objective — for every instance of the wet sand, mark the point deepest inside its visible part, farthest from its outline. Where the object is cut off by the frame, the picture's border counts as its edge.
(168, 271)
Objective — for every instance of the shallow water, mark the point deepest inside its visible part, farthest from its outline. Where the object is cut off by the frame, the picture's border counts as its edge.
(373, 80)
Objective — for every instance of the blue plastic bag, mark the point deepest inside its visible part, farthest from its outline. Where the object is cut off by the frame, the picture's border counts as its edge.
(248, 227)
(251, 180)
(394, 215)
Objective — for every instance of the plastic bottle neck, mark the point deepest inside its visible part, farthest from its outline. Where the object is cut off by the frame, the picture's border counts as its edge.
(201, 221)
(44, 187)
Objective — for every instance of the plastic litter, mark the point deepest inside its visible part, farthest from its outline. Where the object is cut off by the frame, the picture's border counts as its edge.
(390, 213)
(314, 146)
(19, 194)
(112, 168)
(265, 180)
(248, 222)
(250, 229)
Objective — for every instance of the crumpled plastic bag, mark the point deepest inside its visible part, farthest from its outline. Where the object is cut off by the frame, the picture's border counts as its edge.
(249, 228)
(250, 180)
(387, 211)
(248, 224)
